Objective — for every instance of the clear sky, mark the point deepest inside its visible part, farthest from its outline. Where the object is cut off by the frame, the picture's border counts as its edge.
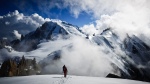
(53, 9)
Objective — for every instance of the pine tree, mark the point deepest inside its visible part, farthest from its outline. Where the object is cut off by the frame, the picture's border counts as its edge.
(34, 64)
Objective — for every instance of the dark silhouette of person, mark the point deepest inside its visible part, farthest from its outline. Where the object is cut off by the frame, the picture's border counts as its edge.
(65, 71)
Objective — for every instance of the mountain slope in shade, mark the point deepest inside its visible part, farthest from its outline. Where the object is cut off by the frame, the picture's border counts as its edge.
(59, 79)
(51, 30)
(133, 60)
(114, 46)
(139, 51)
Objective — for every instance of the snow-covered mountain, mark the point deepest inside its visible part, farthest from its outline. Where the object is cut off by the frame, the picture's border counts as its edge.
(137, 49)
(56, 43)
(51, 30)
(134, 55)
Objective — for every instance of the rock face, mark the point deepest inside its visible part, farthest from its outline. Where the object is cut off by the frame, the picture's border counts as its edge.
(48, 31)
(8, 68)
(23, 68)
(4, 42)
(112, 76)
(139, 52)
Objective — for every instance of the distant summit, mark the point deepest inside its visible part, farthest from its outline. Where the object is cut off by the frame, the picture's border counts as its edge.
(50, 30)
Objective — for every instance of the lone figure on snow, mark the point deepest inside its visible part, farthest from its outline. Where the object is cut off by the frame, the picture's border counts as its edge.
(65, 71)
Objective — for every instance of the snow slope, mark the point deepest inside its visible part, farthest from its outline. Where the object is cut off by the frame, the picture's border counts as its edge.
(59, 79)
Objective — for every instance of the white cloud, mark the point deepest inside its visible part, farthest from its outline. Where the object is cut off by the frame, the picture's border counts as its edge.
(100, 7)
(17, 35)
(95, 7)
(124, 16)
(19, 22)
(79, 55)
(89, 29)
(85, 58)
(7, 23)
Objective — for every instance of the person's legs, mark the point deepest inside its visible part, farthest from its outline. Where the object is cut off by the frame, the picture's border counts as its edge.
(65, 74)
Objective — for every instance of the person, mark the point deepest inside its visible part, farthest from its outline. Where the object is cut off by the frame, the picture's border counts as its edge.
(65, 71)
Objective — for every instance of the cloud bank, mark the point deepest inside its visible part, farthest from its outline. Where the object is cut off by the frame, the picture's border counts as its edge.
(16, 21)
(124, 16)
(81, 58)
(79, 55)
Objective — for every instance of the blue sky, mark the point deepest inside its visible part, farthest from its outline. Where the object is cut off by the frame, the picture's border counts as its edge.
(52, 9)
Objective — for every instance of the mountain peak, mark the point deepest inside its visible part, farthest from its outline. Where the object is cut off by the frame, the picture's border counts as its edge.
(50, 30)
